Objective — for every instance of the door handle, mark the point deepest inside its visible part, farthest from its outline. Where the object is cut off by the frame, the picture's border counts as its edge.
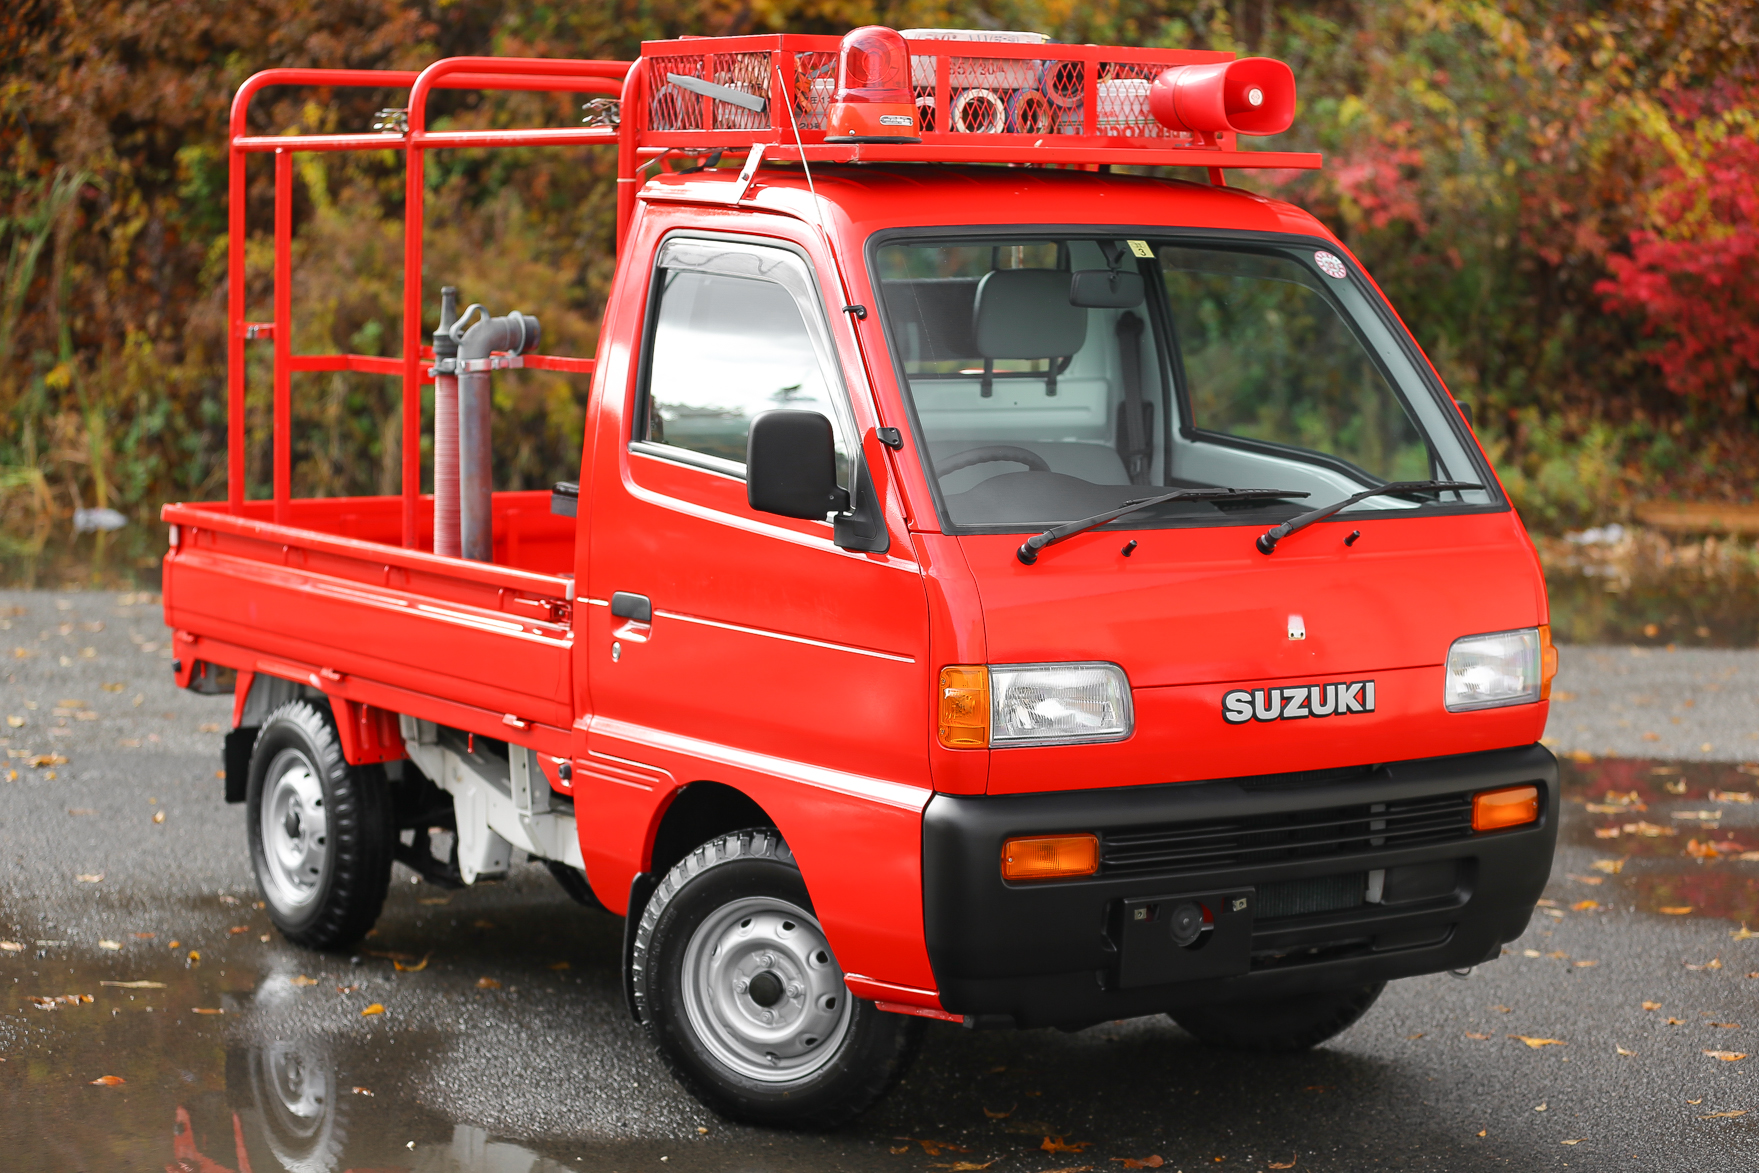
(637, 614)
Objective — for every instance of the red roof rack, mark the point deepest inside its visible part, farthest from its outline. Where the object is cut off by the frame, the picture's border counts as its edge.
(978, 101)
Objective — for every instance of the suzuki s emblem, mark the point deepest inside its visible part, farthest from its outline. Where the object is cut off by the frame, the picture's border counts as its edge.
(1302, 700)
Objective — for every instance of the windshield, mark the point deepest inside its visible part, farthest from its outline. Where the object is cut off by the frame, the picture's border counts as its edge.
(1053, 378)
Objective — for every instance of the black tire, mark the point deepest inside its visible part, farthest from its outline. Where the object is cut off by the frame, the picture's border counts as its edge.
(707, 1033)
(325, 867)
(1285, 1024)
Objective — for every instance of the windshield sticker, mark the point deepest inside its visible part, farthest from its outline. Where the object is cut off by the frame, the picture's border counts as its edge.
(1329, 264)
(1140, 248)
(1303, 700)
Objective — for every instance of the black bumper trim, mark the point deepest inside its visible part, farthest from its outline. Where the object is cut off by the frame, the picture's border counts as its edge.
(1046, 954)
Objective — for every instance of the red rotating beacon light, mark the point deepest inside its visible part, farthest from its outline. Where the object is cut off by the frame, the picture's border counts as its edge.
(873, 103)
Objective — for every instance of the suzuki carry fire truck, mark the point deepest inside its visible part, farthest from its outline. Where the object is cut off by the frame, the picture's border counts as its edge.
(997, 588)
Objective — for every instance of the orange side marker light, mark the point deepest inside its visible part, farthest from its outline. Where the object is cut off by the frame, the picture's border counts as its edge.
(1547, 661)
(964, 706)
(1050, 857)
(1511, 806)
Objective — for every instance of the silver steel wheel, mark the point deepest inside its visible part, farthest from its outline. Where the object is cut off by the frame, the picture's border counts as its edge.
(763, 992)
(295, 830)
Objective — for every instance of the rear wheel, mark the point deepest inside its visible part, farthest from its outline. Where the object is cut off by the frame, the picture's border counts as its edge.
(321, 831)
(736, 983)
(1282, 1024)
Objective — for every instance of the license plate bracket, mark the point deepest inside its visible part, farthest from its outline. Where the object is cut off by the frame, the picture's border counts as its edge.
(1158, 942)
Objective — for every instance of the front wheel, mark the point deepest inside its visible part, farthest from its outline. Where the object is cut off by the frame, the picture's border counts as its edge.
(1281, 1024)
(736, 983)
(321, 832)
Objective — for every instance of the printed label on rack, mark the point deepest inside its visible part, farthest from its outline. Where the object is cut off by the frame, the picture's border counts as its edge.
(1140, 248)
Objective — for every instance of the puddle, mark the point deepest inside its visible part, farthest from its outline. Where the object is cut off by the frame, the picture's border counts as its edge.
(1639, 587)
(1675, 838)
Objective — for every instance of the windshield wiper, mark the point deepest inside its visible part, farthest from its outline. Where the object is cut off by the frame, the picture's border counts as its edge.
(1028, 551)
(1269, 538)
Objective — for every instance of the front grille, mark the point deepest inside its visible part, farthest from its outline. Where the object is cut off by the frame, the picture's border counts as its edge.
(1291, 835)
(1308, 897)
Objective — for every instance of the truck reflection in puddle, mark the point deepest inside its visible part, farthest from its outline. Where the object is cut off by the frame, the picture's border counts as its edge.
(1677, 838)
(293, 1111)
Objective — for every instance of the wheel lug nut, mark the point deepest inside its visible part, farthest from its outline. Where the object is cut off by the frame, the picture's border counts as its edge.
(740, 986)
(793, 989)
(768, 1017)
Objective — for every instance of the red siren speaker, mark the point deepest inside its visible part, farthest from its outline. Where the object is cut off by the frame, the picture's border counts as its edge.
(1254, 95)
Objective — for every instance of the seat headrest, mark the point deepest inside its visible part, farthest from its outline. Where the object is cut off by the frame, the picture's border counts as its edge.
(1025, 313)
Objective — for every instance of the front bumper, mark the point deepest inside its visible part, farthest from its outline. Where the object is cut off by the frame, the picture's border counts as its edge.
(1314, 851)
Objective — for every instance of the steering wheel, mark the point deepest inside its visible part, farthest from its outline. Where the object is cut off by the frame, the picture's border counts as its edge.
(988, 453)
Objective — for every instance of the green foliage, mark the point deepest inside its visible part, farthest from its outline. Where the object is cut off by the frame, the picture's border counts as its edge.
(1485, 158)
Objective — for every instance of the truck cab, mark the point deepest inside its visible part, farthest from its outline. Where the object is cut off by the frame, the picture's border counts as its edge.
(1018, 595)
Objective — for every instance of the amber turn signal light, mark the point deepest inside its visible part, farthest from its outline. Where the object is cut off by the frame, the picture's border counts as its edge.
(964, 706)
(1547, 661)
(1511, 807)
(1050, 857)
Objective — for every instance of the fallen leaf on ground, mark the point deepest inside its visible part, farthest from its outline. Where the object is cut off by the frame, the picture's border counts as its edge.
(92, 878)
(1726, 1025)
(1546, 903)
(1153, 1162)
(999, 1115)
(362, 1091)
(47, 759)
(487, 983)
(960, 1166)
(1540, 1107)
(375, 1008)
(1558, 955)
(346, 989)
(1703, 816)
(1610, 866)
(1061, 1145)
(1713, 963)
(109, 944)
(1531, 953)
(1676, 910)
(113, 686)
(933, 1148)
(482, 924)
(416, 968)
(1606, 832)
(1535, 1042)
(1291, 1163)
(1578, 1140)
(1586, 964)
(1727, 1056)
(108, 1081)
(158, 816)
(1502, 1009)
(1418, 1035)
(302, 980)
(1676, 1022)
(12, 946)
(1585, 905)
(1591, 881)
(208, 1009)
(1744, 933)
(145, 936)
(135, 985)
(209, 727)
(1743, 796)
(235, 930)
(1472, 1034)
(1071, 1169)
(559, 965)
(1648, 830)
(1652, 1005)
(1622, 1051)
(15, 722)
(1725, 1115)
(435, 900)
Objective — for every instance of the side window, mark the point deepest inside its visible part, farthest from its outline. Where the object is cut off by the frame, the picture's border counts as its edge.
(736, 331)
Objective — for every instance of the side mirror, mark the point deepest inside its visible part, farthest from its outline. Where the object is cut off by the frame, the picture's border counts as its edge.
(791, 466)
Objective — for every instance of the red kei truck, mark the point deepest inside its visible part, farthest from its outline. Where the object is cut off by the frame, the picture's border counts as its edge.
(998, 588)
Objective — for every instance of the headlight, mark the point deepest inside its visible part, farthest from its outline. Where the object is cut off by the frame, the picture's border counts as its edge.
(1489, 671)
(1051, 704)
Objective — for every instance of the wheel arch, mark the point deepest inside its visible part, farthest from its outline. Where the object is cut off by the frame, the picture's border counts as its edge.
(697, 813)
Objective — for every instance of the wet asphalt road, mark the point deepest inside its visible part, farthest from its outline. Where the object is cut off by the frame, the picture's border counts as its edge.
(503, 1044)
